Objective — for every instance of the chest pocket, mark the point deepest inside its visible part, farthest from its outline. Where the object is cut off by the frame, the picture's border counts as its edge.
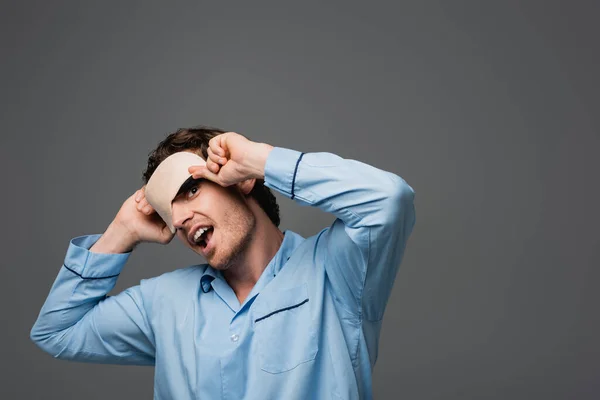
(284, 330)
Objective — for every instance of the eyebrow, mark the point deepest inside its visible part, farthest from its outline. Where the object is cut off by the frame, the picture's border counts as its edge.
(187, 185)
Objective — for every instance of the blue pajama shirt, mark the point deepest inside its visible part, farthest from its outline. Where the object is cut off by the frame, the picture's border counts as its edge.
(310, 327)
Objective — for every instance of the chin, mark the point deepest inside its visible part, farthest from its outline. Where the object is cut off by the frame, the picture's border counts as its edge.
(219, 267)
(221, 263)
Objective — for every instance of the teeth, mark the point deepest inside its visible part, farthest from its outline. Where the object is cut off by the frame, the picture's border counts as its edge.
(199, 233)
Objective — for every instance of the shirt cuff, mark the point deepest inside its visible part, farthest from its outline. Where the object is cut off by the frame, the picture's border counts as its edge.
(89, 265)
(281, 169)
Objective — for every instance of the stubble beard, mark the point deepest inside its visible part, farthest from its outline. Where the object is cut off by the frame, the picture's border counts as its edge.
(240, 226)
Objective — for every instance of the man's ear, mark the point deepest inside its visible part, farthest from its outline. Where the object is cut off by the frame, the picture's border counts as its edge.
(246, 186)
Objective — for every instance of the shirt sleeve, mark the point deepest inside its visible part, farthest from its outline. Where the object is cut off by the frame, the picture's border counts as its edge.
(79, 322)
(374, 212)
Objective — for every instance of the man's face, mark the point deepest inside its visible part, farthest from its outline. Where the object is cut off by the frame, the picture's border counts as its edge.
(224, 211)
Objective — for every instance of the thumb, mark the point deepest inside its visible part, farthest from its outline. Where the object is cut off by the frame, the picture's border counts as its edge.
(201, 171)
(166, 234)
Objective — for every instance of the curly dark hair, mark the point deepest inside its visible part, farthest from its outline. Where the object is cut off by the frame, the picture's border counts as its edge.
(196, 139)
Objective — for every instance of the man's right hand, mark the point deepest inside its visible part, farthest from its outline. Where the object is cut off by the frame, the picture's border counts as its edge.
(135, 222)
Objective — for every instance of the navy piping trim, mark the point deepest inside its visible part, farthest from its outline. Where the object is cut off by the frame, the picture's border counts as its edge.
(89, 277)
(283, 309)
(295, 171)
(206, 283)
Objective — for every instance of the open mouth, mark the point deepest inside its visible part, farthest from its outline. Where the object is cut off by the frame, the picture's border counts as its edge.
(203, 235)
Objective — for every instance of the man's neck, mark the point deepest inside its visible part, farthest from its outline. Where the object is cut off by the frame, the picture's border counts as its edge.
(265, 242)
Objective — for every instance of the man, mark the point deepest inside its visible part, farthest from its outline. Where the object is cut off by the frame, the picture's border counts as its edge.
(272, 315)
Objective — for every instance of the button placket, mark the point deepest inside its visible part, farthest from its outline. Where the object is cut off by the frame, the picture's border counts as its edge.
(235, 327)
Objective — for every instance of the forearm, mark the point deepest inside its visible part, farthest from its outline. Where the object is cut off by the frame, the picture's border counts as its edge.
(358, 194)
(82, 282)
(254, 161)
(115, 240)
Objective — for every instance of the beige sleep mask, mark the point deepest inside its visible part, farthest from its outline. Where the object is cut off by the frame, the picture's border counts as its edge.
(166, 181)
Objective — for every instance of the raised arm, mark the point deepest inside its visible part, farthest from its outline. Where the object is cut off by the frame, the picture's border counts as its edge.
(374, 217)
(78, 320)
(374, 209)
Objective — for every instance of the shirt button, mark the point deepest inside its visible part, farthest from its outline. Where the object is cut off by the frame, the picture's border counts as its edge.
(234, 338)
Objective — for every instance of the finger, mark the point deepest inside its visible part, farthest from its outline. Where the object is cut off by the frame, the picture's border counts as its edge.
(225, 139)
(140, 193)
(212, 166)
(215, 145)
(213, 157)
(148, 209)
(141, 203)
(203, 172)
(192, 168)
(145, 207)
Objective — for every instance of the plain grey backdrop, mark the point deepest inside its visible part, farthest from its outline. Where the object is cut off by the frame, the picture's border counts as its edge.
(490, 111)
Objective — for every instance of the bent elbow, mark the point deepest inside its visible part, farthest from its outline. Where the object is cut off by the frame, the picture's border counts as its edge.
(404, 192)
(35, 335)
(401, 195)
(399, 207)
(40, 339)
(46, 341)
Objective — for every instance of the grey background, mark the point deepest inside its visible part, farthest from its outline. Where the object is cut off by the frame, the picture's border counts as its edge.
(490, 110)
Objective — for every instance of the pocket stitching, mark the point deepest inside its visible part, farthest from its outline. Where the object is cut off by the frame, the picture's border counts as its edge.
(296, 298)
(280, 310)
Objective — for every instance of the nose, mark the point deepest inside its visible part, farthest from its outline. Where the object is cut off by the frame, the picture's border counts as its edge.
(180, 214)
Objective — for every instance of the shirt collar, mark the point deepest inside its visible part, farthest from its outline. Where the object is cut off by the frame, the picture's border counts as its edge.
(291, 241)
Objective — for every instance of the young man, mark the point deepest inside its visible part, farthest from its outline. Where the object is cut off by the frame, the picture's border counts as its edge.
(272, 315)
